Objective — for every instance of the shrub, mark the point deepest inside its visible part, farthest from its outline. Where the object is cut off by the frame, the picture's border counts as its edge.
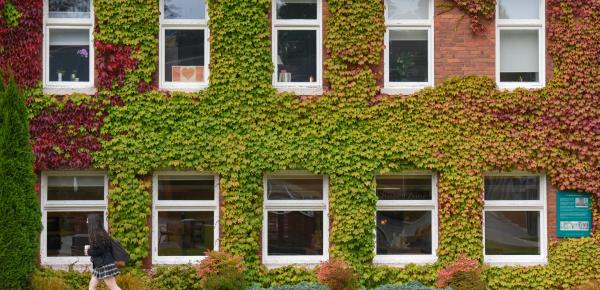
(39, 282)
(299, 286)
(19, 209)
(408, 286)
(337, 275)
(180, 277)
(221, 271)
(462, 264)
(590, 285)
(470, 280)
(130, 281)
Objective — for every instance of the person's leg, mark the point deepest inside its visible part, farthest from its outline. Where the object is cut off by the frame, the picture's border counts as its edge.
(111, 283)
(93, 283)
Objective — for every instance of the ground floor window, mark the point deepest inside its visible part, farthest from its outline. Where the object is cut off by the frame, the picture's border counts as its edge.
(515, 219)
(67, 200)
(295, 220)
(184, 216)
(406, 222)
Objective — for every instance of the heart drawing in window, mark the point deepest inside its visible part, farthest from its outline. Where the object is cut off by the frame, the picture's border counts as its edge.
(188, 73)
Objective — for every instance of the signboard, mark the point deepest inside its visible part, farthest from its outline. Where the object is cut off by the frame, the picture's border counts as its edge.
(573, 214)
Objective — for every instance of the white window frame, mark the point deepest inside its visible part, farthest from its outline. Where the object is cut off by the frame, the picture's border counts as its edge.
(183, 24)
(411, 205)
(68, 23)
(522, 25)
(294, 205)
(520, 205)
(300, 88)
(409, 25)
(182, 205)
(68, 206)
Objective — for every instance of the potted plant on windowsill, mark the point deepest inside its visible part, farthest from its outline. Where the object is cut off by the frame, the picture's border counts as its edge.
(59, 74)
(74, 77)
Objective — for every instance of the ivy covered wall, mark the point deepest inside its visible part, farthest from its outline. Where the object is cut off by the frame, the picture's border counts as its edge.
(240, 128)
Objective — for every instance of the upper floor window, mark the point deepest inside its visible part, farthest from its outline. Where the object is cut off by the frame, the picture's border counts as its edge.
(297, 48)
(408, 54)
(295, 219)
(184, 51)
(185, 216)
(520, 44)
(68, 44)
(67, 199)
(406, 218)
(515, 219)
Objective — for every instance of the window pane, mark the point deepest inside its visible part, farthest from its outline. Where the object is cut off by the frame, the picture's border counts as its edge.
(296, 9)
(408, 56)
(408, 9)
(305, 188)
(296, 55)
(512, 187)
(295, 233)
(69, 55)
(519, 56)
(69, 8)
(185, 9)
(403, 232)
(184, 55)
(67, 233)
(185, 233)
(407, 187)
(519, 9)
(75, 187)
(512, 233)
(186, 188)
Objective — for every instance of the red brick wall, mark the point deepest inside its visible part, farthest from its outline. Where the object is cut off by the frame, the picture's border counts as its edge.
(458, 51)
(551, 210)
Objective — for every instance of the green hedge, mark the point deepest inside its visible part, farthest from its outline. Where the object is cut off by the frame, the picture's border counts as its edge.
(19, 209)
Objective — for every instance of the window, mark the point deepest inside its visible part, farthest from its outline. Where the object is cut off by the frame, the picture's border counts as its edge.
(295, 220)
(68, 49)
(520, 44)
(515, 219)
(297, 45)
(67, 199)
(184, 51)
(409, 45)
(406, 228)
(184, 217)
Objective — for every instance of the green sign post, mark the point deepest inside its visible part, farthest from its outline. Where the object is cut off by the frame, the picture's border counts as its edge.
(573, 214)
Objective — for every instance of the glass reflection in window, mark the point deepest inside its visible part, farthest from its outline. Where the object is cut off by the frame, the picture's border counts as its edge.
(184, 9)
(519, 9)
(295, 232)
(512, 233)
(295, 188)
(69, 55)
(186, 188)
(69, 8)
(408, 56)
(519, 56)
(75, 187)
(67, 233)
(406, 187)
(297, 55)
(408, 9)
(185, 233)
(296, 9)
(512, 187)
(184, 55)
(403, 232)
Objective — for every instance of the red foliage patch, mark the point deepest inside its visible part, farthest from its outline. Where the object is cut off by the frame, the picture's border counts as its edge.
(112, 63)
(21, 46)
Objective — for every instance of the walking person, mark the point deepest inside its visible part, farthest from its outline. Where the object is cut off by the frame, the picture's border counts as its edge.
(100, 251)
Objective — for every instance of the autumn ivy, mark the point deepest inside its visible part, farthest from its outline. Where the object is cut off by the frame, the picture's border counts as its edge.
(240, 128)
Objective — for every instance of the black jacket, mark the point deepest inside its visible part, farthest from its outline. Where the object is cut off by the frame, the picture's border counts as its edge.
(101, 254)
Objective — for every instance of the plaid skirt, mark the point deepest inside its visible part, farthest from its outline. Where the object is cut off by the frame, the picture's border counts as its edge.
(107, 271)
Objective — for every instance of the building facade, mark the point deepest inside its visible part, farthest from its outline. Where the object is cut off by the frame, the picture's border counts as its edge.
(398, 134)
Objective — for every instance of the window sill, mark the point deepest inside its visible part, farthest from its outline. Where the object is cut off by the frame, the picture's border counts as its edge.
(174, 260)
(402, 90)
(69, 91)
(301, 91)
(281, 265)
(64, 263)
(403, 260)
(514, 261)
(175, 89)
(514, 86)
(302, 261)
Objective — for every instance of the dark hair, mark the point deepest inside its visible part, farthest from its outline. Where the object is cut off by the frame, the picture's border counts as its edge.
(98, 236)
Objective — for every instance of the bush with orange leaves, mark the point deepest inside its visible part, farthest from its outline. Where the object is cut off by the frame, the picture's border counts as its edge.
(463, 274)
(220, 270)
(337, 275)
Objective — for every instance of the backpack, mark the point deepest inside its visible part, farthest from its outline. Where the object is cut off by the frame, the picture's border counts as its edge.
(119, 253)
